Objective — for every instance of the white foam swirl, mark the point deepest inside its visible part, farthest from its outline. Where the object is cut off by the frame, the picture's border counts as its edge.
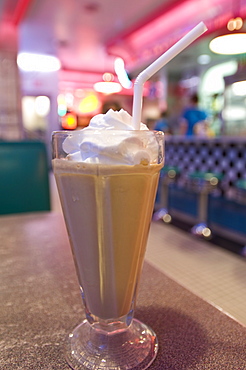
(113, 120)
(114, 141)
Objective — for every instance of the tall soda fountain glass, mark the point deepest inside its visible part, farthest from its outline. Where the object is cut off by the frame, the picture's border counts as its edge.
(107, 181)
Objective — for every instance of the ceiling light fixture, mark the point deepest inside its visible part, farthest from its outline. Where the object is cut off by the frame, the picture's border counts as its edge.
(107, 86)
(38, 62)
(239, 88)
(229, 44)
(119, 67)
(232, 42)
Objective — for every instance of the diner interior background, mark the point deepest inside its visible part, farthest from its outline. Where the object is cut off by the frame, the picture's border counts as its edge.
(93, 44)
(87, 37)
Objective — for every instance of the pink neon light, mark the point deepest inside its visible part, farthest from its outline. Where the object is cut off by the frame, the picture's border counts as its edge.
(168, 23)
(20, 10)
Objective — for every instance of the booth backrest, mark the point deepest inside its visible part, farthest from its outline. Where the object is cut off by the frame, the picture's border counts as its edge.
(24, 177)
(224, 155)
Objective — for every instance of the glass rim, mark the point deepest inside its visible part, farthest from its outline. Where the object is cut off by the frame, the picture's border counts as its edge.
(104, 131)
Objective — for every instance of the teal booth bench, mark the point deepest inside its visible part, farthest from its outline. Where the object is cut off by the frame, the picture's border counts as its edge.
(24, 177)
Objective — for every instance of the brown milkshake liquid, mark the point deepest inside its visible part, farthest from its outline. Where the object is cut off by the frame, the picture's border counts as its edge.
(108, 209)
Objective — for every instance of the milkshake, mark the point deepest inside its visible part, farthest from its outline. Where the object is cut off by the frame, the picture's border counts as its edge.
(107, 176)
(108, 211)
(107, 185)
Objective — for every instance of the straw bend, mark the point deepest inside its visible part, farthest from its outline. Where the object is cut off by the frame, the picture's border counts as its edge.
(157, 65)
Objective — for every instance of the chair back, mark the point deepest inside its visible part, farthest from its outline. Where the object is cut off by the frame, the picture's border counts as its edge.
(24, 177)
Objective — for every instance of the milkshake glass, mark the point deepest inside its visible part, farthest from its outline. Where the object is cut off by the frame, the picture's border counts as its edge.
(107, 205)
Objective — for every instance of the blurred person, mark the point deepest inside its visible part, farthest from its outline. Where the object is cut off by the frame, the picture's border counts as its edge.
(162, 123)
(150, 122)
(193, 120)
(111, 105)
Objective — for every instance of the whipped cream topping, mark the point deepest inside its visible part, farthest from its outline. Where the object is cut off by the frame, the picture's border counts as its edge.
(111, 139)
(113, 120)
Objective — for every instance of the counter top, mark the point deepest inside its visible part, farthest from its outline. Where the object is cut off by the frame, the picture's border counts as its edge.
(40, 302)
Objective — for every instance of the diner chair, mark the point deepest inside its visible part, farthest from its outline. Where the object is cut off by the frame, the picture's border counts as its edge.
(241, 191)
(203, 183)
(24, 177)
(168, 175)
(241, 198)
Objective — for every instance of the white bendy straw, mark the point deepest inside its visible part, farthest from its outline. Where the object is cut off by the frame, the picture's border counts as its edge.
(158, 64)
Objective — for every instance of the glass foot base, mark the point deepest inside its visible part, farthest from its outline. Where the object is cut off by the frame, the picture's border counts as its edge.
(135, 348)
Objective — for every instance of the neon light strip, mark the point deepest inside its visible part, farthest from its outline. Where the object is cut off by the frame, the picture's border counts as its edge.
(20, 11)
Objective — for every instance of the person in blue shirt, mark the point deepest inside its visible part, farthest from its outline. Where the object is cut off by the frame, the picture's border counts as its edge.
(162, 123)
(192, 118)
